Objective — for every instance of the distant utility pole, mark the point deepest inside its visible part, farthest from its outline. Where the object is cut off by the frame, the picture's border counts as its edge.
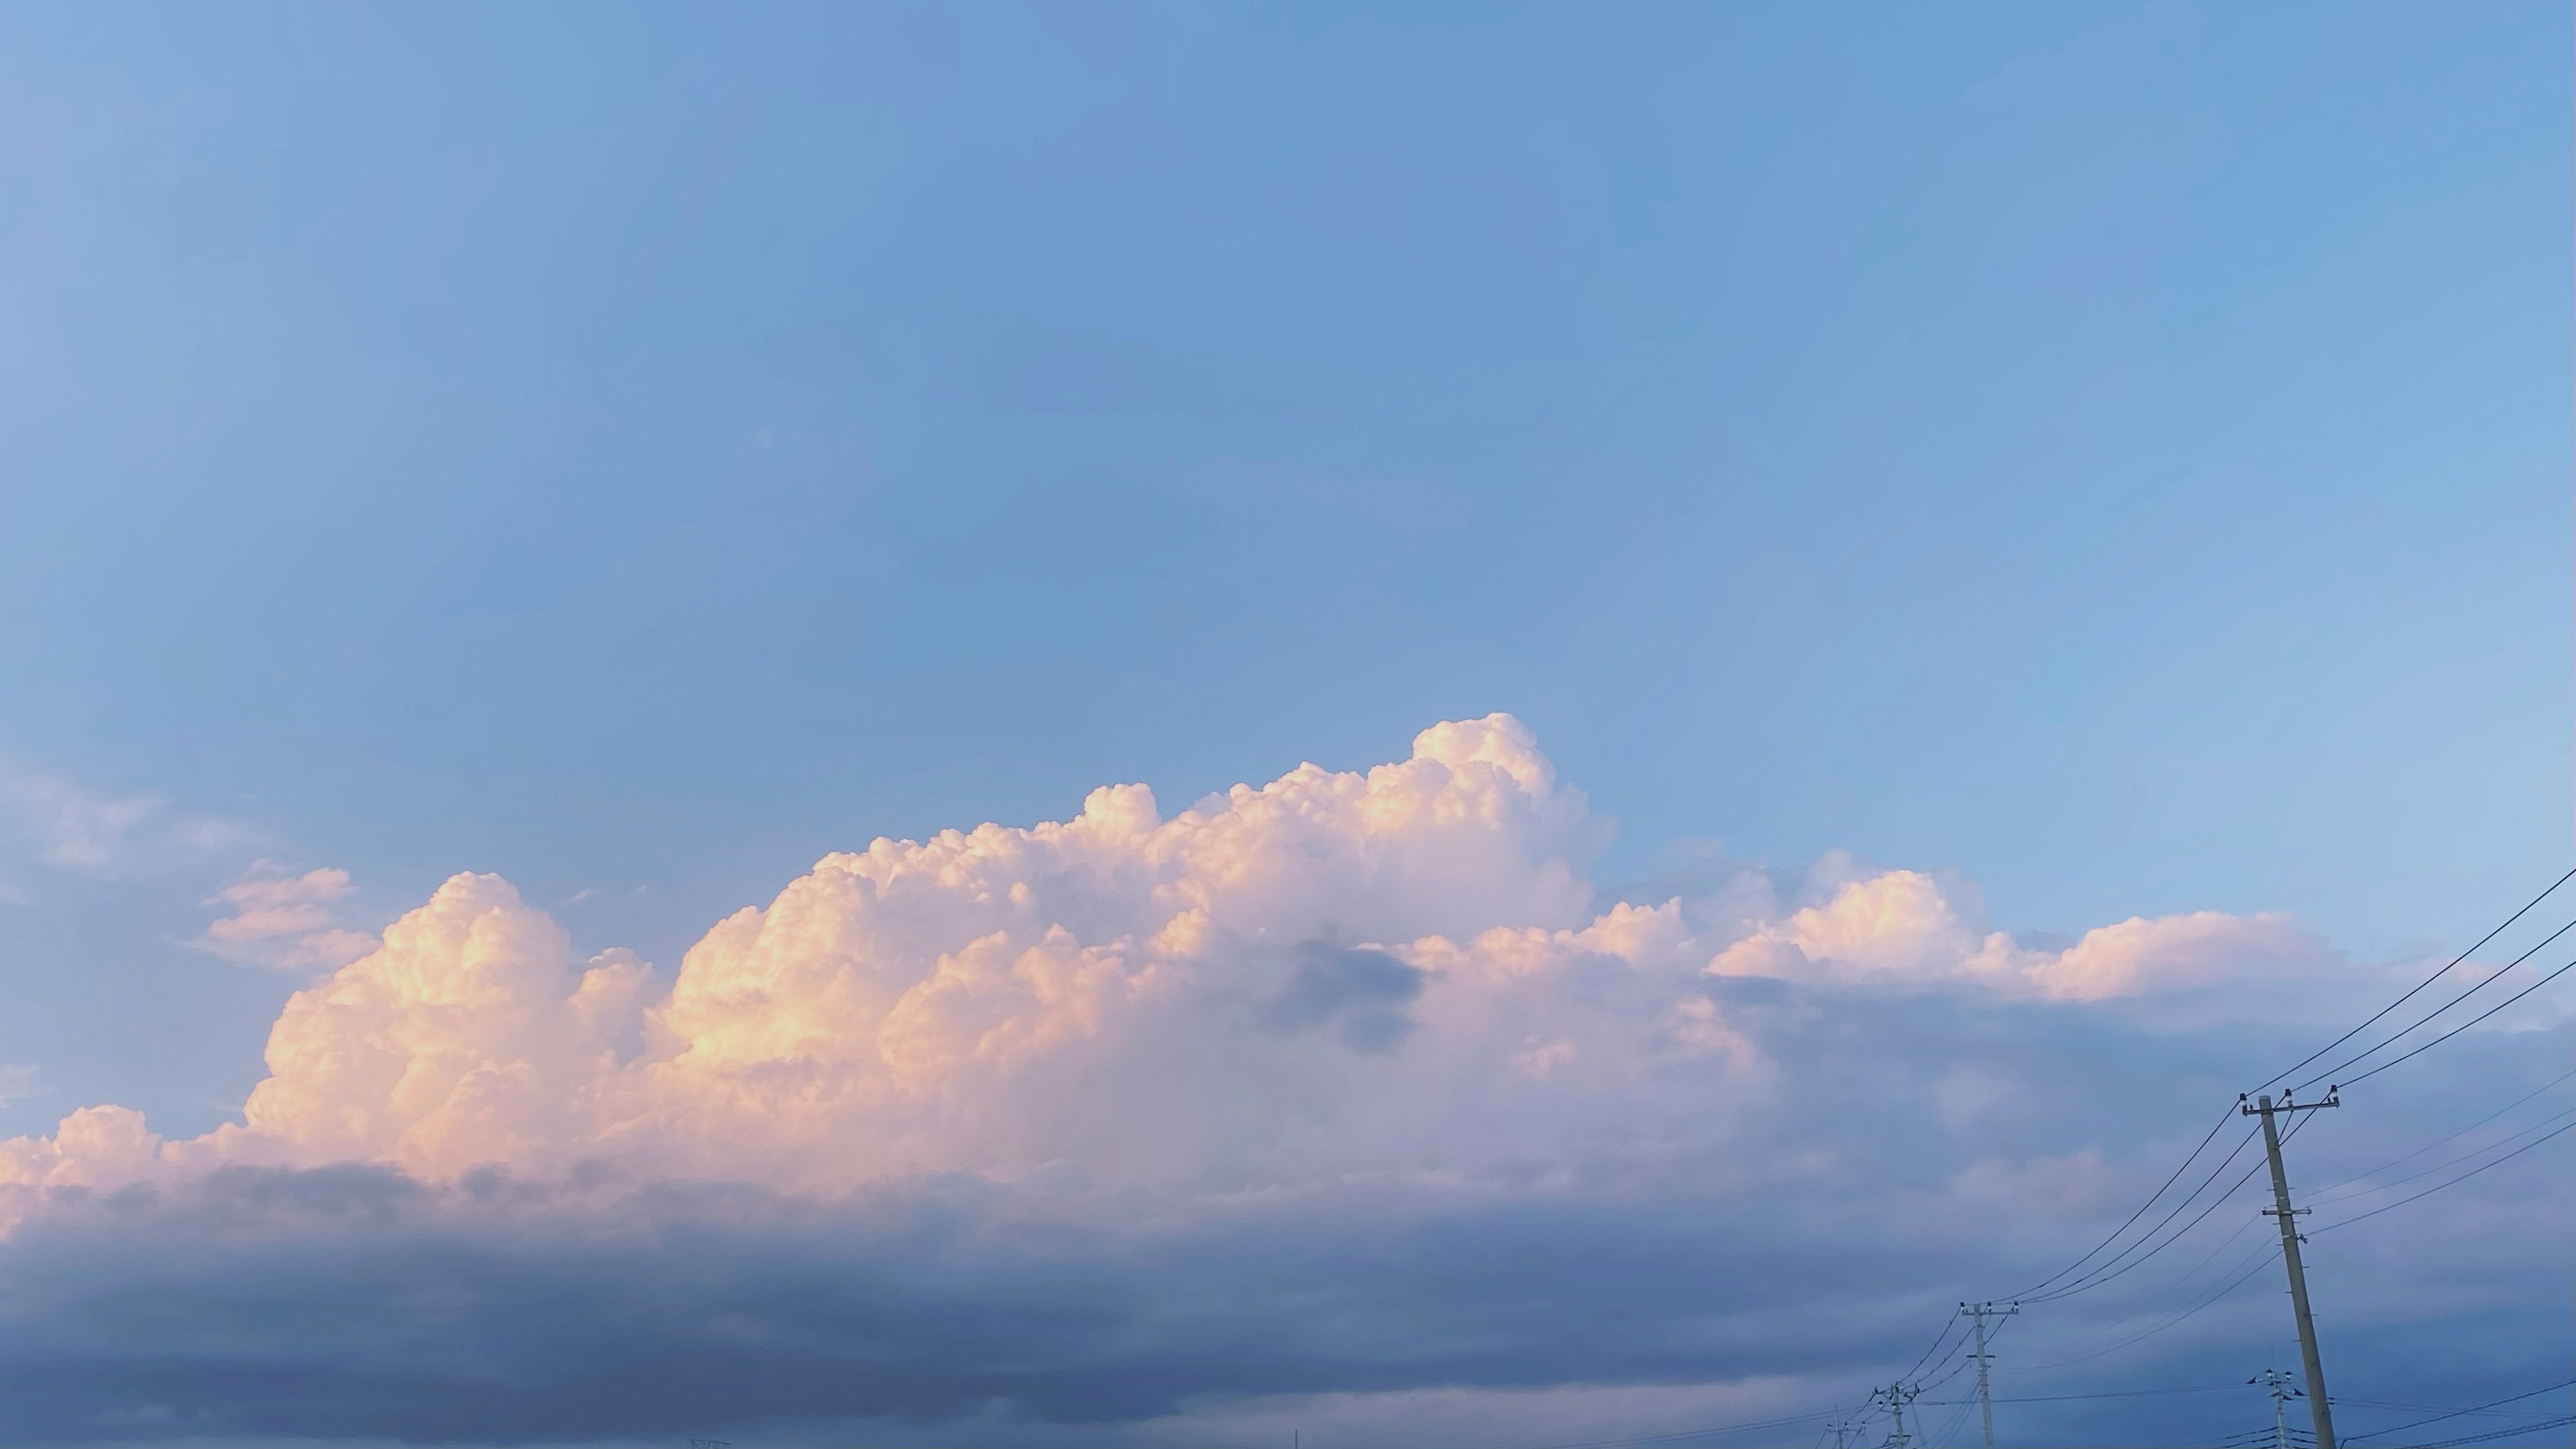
(1898, 1396)
(2278, 1383)
(2288, 1215)
(1985, 1397)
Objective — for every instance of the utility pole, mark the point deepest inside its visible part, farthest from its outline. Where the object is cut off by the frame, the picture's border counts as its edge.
(1898, 1396)
(2278, 1383)
(2281, 1209)
(1985, 1397)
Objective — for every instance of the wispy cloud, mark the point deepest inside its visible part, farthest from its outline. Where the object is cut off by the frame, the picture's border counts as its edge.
(284, 920)
(74, 827)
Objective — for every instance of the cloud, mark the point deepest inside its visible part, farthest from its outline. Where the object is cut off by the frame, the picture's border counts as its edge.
(75, 828)
(1278, 985)
(526, 1313)
(17, 1083)
(284, 921)
(1900, 927)
(1361, 994)
(1343, 1084)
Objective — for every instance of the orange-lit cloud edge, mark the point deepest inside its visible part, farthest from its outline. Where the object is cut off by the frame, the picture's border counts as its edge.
(1337, 976)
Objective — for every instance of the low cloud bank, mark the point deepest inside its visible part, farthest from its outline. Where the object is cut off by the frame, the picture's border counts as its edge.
(1345, 1084)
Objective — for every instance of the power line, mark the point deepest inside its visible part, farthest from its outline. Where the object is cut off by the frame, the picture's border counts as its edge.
(2213, 1132)
(1950, 1427)
(2431, 1409)
(1956, 1369)
(2491, 978)
(2188, 1274)
(2561, 1422)
(2110, 1394)
(2105, 1273)
(2463, 1026)
(2141, 1310)
(2455, 1413)
(2463, 1132)
(2263, 1252)
(2179, 1234)
(2437, 1187)
(2439, 1166)
(2427, 981)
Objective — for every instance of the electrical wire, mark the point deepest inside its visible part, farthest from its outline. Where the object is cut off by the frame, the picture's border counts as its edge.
(2463, 1026)
(1956, 1369)
(2427, 981)
(2223, 1119)
(2111, 1394)
(2140, 1311)
(2439, 1166)
(2104, 1273)
(1946, 1330)
(2561, 1422)
(2463, 1132)
(2428, 1408)
(2393, 1038)
(2437, 1187)
(1951, 1426)
(2179, 1234)
(2453, 1414)
(2266, 1437)
(2187, 1276)
(2265, 1252)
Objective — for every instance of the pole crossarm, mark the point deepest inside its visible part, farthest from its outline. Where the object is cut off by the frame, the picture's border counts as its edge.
(2267, 1107)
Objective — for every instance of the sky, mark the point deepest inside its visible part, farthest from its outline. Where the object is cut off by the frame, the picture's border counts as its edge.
(1706, 677)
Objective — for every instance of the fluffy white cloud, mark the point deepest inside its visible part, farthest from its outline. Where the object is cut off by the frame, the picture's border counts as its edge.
(1398, 973)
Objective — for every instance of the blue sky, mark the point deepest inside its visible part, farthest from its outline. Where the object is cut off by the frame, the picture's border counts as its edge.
(2115, 457)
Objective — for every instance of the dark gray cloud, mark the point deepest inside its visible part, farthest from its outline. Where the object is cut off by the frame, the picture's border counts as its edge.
(352, 1302)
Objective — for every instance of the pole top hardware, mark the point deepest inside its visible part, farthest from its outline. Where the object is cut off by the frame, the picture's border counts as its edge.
(2250, 1109)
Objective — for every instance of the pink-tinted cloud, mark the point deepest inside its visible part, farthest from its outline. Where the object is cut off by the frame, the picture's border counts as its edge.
(1395, 972)
(285, 921)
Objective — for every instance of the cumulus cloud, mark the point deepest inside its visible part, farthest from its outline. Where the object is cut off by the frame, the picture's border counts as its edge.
(1901, 927)
(1397, 971)
(1049, 1116)
(285, 921)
